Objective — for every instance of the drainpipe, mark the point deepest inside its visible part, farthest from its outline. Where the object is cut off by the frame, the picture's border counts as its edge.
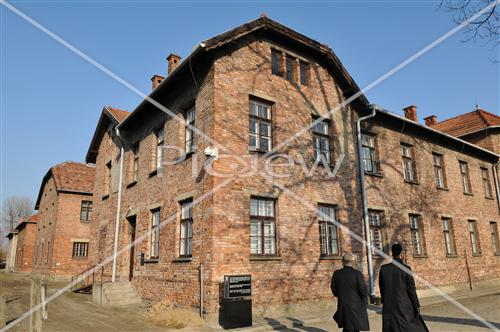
(374, 109)
(495, 177)
(118, 207)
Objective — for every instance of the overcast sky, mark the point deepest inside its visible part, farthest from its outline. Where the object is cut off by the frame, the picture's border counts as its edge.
(51, 98)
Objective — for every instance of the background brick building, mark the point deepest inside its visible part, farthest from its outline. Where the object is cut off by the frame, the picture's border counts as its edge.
(25, 247)
(251, 89)
(64, 207)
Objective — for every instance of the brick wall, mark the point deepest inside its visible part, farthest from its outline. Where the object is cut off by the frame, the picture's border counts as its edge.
(26, 239)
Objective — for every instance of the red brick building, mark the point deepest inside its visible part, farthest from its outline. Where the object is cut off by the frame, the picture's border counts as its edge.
(478, 127)
(251, 89)
(25, 247)
(64, 207)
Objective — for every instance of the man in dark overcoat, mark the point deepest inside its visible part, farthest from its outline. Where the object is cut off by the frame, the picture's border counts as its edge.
(350, 289)
(401, 309)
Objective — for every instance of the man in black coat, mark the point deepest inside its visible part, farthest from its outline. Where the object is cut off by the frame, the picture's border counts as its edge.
(348, 286)
(401, 311)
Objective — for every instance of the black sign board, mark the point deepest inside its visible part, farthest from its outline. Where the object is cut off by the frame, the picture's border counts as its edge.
(237, 286)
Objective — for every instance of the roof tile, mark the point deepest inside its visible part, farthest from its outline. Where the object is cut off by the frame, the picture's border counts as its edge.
(468, 123)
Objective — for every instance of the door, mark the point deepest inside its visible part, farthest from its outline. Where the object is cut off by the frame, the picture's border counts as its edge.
(131, 235)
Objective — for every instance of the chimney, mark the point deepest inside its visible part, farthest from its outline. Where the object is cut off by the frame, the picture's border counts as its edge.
(173, 61)
(411, 113)
(430, 120)
(156, 80)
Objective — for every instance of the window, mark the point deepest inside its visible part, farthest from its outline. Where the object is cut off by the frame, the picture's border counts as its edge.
(186, 240)
(409, 170)
(417, 235)
(80, 249)
(134, 163)
(375, 222)
(86, 211)
(48, 252)
(464, 171)
(160, 139)
(329, 239)
(321, 141)
(486, 182)
(290, 68)
(189, 137)
(107, 178)
(438, 170)
(369, 162)
(155, 233)
(449, 236)
(260, 126)
(276, 62)
(494, 237)
(304, 73)
(262, 227)
(474, 240)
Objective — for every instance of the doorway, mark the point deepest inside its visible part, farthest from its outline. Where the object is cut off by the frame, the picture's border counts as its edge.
(131, 237)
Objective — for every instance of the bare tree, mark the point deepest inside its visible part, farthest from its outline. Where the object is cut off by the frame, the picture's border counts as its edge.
(13, 208)
(484, 27)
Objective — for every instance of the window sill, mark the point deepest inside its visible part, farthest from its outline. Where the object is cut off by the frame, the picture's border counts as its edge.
(265, 258)
(77, 259)
(377, 175)
(489, 197)
(131, 184)
(477, 255)
(452, 256)
(497, 254)
(412, 182)
(420, 256)
(105, 197)
(151, 261)
(330, 258)
(323, 164)
(186, 259)
(261, 152)
(185, 156)
(82, 221)
(468, 194)
(442, 188)
(153, 173)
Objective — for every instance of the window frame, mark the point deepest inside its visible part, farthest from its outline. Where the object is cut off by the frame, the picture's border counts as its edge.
(373, 228)
(276, 59)
(474, 237)
(325, 234)
(304, 73)
(290, 67)
(451, 235)
(409, 164)
(485, 175)
(417, 230)
(439, 170)
(495, 241)
(258, 120)
(134, 163)
(86, 209)
(321, 135)
(154, 245)
(372, 149)
(261, 220)
(465, 177)
(189, 143)
(108, 178)
(186, 241)
(80, 250)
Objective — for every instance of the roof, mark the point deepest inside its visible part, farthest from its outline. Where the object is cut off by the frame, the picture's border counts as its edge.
(468, 123)
(33, 219)
(267, 27)
(109, 115)
(70, 177)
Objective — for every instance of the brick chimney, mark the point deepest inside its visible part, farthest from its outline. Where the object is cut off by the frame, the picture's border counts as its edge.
(430, 120)
(411, 113)
(173, 61)
(156, 80)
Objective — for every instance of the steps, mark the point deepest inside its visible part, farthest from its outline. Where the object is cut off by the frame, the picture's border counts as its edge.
(119, 294)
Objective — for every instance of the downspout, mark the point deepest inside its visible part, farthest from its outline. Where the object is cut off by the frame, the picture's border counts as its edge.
(364, 200)
(495, 178)
(118, 207)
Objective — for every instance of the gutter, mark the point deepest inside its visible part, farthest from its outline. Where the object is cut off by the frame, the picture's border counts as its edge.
(364, 200)
(118, 207)
(495, 177)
